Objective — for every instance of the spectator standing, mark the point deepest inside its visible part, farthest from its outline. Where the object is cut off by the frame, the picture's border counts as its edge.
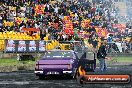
(123, 46)
(110, 42)
(101, 55)
(56, 9)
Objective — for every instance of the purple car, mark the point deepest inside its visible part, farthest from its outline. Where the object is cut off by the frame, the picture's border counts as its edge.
(57, 63)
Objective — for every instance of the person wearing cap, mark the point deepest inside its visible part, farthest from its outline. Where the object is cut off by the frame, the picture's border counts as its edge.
(101, 55)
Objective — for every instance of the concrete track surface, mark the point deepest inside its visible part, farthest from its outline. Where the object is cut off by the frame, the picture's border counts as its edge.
(27, 79)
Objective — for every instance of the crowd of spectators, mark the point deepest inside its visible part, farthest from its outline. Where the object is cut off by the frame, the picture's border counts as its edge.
(49, 16)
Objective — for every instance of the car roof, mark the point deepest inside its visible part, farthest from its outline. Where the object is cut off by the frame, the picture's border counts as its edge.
(60, 50)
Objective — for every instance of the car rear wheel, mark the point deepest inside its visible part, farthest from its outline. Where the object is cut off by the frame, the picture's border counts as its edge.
(41, 77)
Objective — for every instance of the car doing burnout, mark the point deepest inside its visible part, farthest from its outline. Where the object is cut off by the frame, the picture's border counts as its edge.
(57, 63)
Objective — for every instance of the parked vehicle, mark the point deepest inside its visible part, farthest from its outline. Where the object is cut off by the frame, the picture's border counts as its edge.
(57, 62)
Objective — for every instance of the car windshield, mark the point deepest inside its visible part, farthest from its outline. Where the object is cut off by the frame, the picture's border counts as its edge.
(58, 54)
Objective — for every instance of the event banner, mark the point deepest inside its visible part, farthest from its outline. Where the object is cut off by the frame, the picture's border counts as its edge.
(24, 46)
(32, 46)
(21, 46)
(10, 46)
(42, 46)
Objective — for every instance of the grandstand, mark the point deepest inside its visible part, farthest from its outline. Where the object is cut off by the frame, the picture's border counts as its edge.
(61, 21)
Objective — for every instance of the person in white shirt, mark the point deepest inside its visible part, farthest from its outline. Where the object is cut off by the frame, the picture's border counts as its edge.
(76, 16)
(0, 18)
(56, 9)
(22, 14)
(21, 28)
(37, 25)
(14, 13)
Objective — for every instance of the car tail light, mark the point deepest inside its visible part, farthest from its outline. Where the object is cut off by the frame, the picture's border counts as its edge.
(69, 67)
(37, 65)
